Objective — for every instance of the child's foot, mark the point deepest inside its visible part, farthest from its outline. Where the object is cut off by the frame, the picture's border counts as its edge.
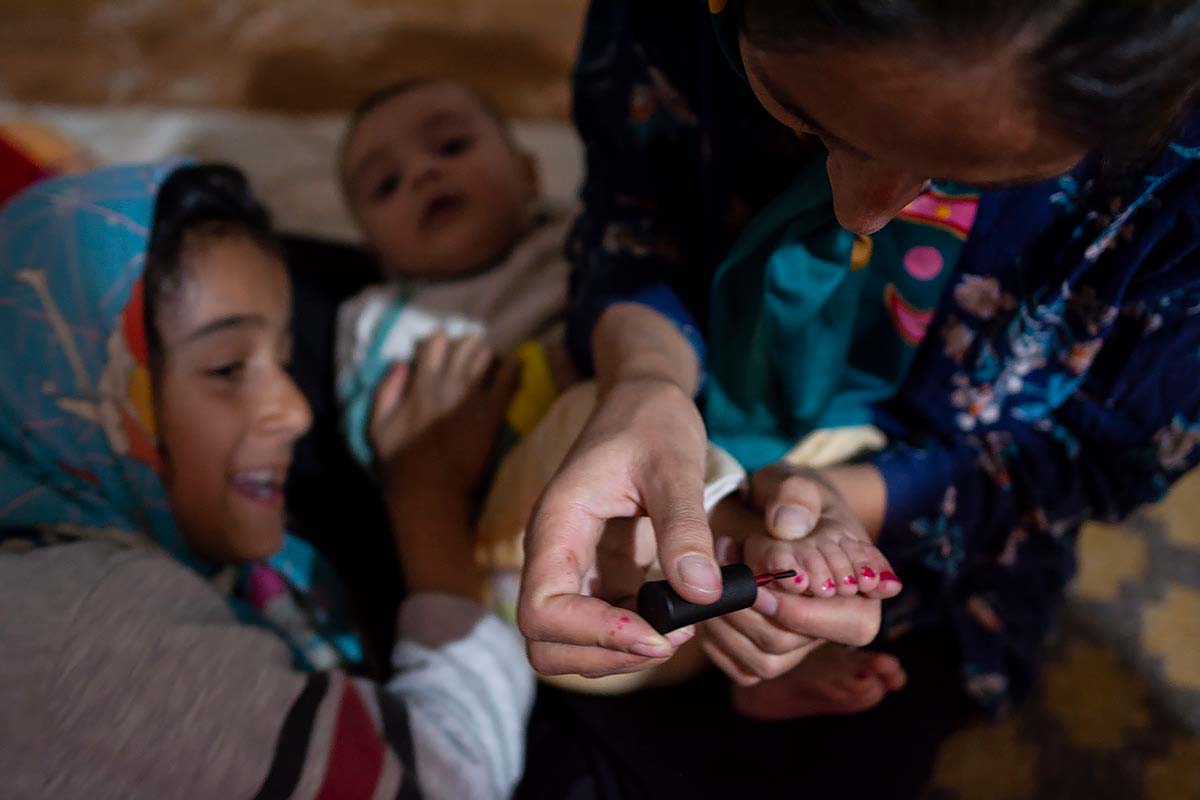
(828, 565)
(832, 680)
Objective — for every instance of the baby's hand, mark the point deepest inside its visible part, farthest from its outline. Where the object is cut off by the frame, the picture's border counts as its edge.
(830, 551)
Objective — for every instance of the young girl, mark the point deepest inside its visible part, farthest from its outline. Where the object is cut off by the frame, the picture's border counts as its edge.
(162, 635)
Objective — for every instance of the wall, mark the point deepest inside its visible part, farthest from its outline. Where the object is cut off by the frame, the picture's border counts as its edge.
(290, 55)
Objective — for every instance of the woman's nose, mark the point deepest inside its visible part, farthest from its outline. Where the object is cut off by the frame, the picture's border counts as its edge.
(866, 194)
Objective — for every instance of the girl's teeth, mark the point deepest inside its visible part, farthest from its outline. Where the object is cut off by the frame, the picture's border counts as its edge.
(262, 484)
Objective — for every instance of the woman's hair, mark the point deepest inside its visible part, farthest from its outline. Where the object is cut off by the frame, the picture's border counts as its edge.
(1116, 76)
(195, 206)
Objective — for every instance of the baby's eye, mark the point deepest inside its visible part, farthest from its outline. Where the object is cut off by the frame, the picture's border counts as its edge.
(386, 187)
(455, 146)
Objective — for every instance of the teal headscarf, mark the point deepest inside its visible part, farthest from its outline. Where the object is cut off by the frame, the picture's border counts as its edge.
(78, 454)
(809, 325)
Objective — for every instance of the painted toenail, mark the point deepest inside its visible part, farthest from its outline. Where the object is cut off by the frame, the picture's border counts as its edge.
(799, 577)
(868, 572)
(888, 576)
(850, 580)
(827, 585)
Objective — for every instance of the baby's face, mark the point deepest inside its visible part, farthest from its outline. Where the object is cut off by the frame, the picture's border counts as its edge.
(436, 184)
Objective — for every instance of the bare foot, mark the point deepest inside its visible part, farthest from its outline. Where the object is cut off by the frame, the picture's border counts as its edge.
(833, 680)
(828, 564)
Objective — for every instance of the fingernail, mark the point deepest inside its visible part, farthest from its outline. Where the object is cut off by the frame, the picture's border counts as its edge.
(888, 576)
(650, 649)
(794, 521)
(850, 580)
(681, 636)
(766, 603)
(868, 572)
(699, 573)
(827, 585)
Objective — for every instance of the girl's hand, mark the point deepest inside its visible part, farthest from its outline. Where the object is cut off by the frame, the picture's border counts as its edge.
(435, 420)
(430, 477)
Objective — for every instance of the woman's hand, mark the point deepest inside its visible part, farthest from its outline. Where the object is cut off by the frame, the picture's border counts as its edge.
(768, 640)
(641, 454)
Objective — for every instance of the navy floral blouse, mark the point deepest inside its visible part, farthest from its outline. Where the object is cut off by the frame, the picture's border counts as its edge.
(1058, 380)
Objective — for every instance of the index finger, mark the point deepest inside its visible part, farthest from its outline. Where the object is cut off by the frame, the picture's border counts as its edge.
(852, 621)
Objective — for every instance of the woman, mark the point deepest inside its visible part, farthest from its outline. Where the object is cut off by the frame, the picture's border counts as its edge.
(1056, 380)
(162, 635)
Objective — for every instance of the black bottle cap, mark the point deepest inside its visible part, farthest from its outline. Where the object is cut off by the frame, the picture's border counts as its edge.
(658, 604)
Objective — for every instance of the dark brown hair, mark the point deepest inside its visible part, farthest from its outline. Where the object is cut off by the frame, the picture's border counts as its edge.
(1119, 77)
(194, 204)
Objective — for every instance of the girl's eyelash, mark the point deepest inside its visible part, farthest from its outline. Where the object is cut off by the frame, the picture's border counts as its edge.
(226, 371)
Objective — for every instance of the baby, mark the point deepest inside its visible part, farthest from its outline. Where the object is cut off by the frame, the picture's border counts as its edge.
(451, 208)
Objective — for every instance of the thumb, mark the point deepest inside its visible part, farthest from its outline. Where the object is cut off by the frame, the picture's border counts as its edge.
(791, 501)
(685, 541)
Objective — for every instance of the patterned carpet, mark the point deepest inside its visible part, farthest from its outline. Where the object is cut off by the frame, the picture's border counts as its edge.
(1117, 714)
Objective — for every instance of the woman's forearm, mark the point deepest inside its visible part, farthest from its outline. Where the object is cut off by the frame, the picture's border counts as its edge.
(632, 341)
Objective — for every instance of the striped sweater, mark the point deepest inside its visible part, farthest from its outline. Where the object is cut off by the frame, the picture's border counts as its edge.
(125, 675)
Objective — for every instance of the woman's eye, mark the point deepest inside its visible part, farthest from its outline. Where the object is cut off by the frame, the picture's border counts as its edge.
(227, 371)
(455, 146)
(805, 132)
(386, 187)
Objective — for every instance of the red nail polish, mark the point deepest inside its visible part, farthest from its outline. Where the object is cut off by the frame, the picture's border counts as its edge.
(827, 585)
(799, 578)
(888, 576)
(850, 580)
(868, 572)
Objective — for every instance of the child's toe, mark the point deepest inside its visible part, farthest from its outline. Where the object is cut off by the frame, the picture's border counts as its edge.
(820, 579)
(842, 571)
(864, 559)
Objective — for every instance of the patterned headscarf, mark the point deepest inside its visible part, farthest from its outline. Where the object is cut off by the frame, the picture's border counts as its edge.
(79, 457)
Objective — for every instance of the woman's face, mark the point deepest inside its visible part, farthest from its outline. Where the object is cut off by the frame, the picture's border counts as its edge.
(228, 412)
(891, 121)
